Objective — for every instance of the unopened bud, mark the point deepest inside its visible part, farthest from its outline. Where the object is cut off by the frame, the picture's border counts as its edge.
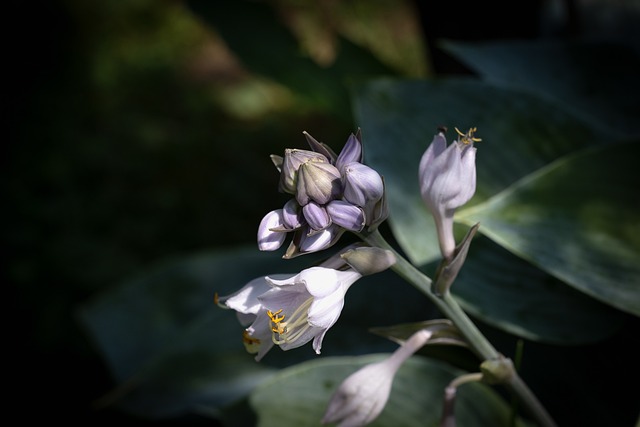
(318, 182)
(289, 166)
(369, 260)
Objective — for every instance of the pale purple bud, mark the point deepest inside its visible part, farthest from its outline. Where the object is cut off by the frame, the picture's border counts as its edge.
(447, 181)
(290, 165)
(346, 215)
(318, 182)
(363, 186)
(321, 240)
(316, 216)
(292, 215)
(351, 152)
(269, 240)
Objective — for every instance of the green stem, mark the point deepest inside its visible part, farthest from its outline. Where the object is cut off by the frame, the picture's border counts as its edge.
(452, 310)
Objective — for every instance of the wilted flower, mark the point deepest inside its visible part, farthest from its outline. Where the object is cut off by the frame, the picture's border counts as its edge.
(364, 394)
(332, 194)
(447, 181)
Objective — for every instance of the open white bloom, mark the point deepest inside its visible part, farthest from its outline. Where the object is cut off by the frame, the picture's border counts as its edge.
(447, 181)
(303, 307)
(290, 310)
(364, 394)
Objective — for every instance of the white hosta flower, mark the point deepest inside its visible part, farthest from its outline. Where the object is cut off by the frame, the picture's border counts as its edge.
(364, 394)
(303, 307)
(447, 181)
(289, 310)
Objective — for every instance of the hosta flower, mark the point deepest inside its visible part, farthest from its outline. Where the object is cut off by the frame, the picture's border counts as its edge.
(363, 395)
(303, 308)
(332, 194)
(290, 310)
(447, 181)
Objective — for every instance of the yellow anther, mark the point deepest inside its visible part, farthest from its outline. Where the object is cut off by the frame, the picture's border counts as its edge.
(468, 138)
(248, 339)
(274, 316)
(278, 327)
(216, 298)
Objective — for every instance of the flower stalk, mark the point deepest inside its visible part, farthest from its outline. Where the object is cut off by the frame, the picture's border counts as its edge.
(451, 309)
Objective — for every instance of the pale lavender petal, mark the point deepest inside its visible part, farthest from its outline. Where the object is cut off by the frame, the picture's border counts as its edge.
(436, 148)
(269, 240)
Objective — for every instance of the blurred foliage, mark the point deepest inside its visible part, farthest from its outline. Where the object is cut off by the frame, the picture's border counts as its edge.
(143, 131)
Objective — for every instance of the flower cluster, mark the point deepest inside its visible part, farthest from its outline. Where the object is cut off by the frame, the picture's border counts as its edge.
(331, 193)
(447, 181)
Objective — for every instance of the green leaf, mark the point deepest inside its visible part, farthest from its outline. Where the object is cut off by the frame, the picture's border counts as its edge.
(578, 220)
(520, 134)
(593, 79)
(298, 396)
(511, 294)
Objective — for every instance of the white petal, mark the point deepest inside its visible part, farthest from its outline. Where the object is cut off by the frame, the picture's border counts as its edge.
(246, 299)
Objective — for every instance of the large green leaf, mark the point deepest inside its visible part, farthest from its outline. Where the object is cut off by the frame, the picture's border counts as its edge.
(298, 396)
(577, 219)
(520, 134)
(593, 79)
(513, 295)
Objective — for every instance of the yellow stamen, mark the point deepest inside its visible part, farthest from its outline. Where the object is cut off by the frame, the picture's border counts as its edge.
(293, 329)
(275, 319)
(468, 138)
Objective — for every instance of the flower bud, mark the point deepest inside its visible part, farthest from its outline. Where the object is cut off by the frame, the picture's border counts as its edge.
(316, 216)
(346, 215)
(362, 185)
(268, 239)
(322, 240)
(447, 181)
(318, 182)
(369, 260)
(292, 216)
(290, 165)
(363, 395)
